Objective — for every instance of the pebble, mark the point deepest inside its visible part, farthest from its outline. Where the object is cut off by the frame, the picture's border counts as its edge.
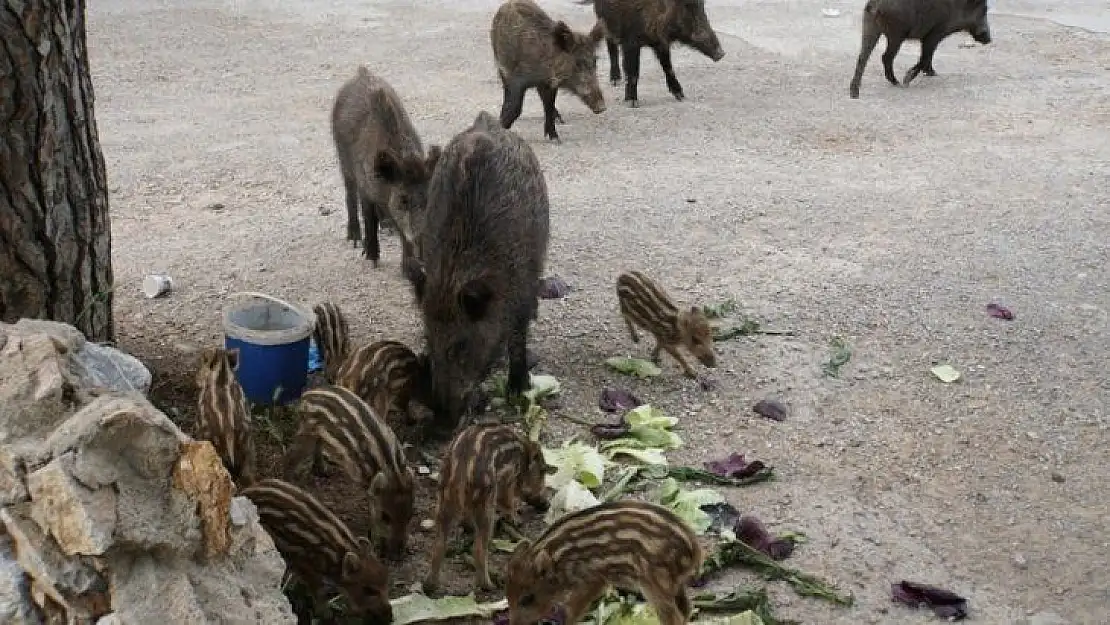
(1058, 477)
(423, 470)
(1020, 561)
(427, 524)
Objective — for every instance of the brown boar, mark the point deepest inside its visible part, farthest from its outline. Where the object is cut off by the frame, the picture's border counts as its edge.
(629, 25)
(927, 21)
(337, 424)
(485, 245)
(629, 544)
(533, 50)
(486, 470)
(382, 161)
(386, 374)
(223, 416)
(332, 336)
(320, 549)
(644, 303)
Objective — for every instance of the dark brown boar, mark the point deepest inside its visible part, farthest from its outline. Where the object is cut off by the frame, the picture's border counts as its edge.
(630, 544)
(338, 425)
(223, 416)
(645, 304)
(484, 248)
(382, 161)
(629, 25)
(321, 550)
(927, 21)
(534, 50)
(486, 470)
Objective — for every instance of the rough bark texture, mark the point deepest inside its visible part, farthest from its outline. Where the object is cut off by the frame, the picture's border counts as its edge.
(55, 239)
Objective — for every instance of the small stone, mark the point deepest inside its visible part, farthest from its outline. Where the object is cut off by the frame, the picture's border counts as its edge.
(423, 470)
(1058, 477)
(427, 524)
(1019, 561)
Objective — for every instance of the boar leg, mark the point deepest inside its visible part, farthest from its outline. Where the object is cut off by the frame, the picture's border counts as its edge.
(631, 329)
(663, 54)
(580, 599)
(483, 534)
(893, 43)
(686, 368)
(512, 102)
(547, 96)
(667, 605)
(929, 45)
(351, 189)
(518, 357)
(507, 504)
(631, 53)
(370, 212)
(867, 46)
(614, 61)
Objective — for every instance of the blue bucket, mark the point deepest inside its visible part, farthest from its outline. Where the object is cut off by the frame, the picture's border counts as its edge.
(272, 338)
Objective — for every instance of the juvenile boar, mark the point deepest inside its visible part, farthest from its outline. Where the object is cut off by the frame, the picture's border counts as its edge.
(332, 336)
(927, 21)
(382, 161)
(485, 245)
(629, 25)
(629, 544)
(644, 303)
(320, 549)
(223, 417)
(337, 424)
(533, 50)
(486, 470)
(386, 374)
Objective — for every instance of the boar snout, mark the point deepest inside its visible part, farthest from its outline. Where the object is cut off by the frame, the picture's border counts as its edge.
(708, 359)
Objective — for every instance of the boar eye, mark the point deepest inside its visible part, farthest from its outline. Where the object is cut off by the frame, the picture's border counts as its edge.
(386, 517)
(527, 600)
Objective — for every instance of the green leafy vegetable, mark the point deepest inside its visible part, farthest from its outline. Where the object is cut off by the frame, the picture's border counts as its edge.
(691, 474)
(634, 366)
(575, 461)
(418, 607)
(687, 503)
(731, 552)
(571, 497)
(841, 354)
(721, 309)
(740, 600)
(543, 386)
(946, 373)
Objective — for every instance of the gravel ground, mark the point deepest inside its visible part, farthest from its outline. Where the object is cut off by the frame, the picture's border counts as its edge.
(890, 221)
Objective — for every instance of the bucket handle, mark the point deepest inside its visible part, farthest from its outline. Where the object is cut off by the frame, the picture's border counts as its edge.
(307, 314)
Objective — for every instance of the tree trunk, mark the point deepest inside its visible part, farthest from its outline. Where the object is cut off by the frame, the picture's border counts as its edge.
(55, 236)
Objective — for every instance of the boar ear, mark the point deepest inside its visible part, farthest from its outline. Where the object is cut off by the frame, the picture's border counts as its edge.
(475, 298)
(597, 33)
(233, 358)
(379, 483)
(364, 545)
(542, 563)
(388, 167)
(564, 38)
(350, 565)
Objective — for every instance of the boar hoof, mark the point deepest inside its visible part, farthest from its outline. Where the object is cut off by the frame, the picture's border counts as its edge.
(632, 104)
(678, 95)
(559, 118)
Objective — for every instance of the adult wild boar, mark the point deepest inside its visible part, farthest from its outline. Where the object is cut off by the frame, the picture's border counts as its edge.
(382, 161)
(657, 24)
(484, 247)
(927, 21)
(533, 50)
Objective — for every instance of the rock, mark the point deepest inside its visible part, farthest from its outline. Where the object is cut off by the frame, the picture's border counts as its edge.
(15, 598)
(201, 474)
(109, 513)
(108, 367)
(81, 520)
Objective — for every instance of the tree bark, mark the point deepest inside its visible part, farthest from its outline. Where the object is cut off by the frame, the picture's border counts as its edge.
(55, 235)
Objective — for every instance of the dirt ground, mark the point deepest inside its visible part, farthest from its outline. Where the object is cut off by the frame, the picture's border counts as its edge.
(891, 221)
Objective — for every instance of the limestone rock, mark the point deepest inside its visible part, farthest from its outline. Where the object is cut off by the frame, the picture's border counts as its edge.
(201, 474)
(15, 597)
(98, 486)
(109, 368)
(80, 519)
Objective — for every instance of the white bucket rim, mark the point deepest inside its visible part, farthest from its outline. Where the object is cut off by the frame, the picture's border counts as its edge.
(299, 332)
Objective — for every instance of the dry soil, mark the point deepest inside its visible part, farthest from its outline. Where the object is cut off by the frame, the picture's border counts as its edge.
(891, 221)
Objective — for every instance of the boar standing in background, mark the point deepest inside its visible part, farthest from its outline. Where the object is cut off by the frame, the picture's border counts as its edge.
(645, 304)
(533, 50)
(332, 334)
(927, 21)
(382, 161)
(485, 244)
(657, 24)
